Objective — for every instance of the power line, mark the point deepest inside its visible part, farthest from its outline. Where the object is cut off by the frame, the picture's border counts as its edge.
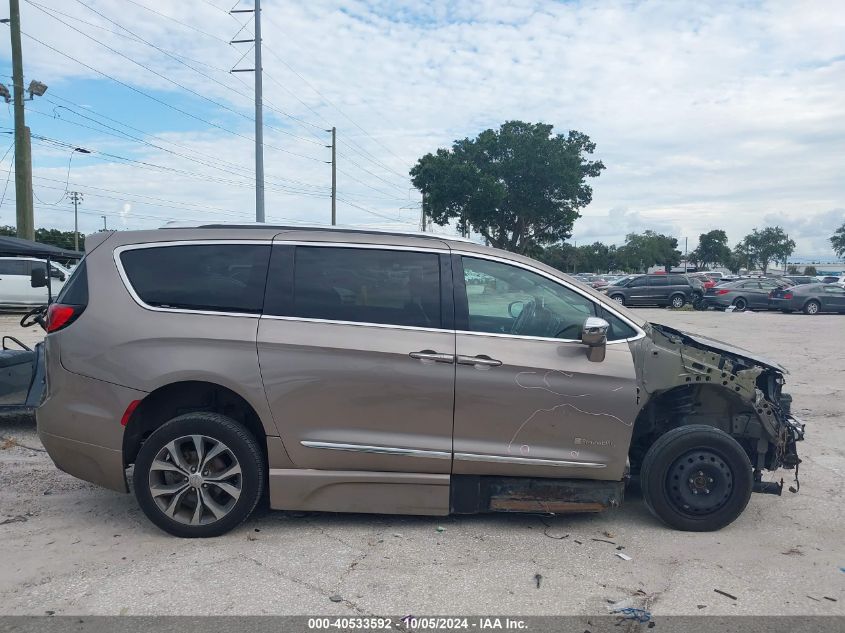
(154, 98)
(354, 146)
(125, 136)
(229, 165)
(140, 39)
(161, 168)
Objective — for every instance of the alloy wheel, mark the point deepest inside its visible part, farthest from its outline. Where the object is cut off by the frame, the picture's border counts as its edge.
(195, 480)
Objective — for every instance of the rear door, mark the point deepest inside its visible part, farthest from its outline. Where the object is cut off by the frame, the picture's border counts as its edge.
(528, 402)
(357, 349)
(638, 291)
(658, 289)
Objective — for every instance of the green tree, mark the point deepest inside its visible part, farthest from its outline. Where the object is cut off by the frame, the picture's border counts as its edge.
(792, 269)
(519, 186)
(651, 248)
(770, 244)
(54, 237)
(837, 240)
(562, 256)
(713, 248)
(810, 270)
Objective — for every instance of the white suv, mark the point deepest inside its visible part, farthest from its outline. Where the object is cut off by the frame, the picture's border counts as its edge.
(15, 282)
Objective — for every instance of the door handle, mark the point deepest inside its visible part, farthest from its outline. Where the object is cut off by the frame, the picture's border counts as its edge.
(480, 362)
(431, 355)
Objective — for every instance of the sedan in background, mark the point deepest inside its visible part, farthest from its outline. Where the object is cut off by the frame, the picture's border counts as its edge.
(809, 298)
(747, 294)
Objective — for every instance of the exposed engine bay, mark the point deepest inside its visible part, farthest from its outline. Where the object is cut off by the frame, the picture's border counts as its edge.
(714, 383)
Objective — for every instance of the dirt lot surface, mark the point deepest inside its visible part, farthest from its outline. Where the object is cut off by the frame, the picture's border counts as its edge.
(72, 548)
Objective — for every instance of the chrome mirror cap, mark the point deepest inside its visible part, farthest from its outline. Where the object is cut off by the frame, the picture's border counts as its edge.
(594, 335)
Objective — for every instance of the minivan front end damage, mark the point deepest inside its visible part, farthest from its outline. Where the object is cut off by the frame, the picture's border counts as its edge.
(687, 379)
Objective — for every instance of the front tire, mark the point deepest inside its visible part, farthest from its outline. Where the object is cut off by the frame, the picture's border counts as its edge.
(618, 299)
(678, 301)
(696, 478)
(812, 307)
(199, 475)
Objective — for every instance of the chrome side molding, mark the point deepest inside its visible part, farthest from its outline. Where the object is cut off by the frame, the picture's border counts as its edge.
(381, 450)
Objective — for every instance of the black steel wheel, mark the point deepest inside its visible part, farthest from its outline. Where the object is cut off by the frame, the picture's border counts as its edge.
(740, 304)
(696, 478)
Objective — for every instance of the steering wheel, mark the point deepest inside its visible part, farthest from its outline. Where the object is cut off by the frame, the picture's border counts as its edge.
(525, 317)
(35, 316)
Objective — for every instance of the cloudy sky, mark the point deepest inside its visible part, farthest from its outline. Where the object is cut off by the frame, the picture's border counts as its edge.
(706, 114)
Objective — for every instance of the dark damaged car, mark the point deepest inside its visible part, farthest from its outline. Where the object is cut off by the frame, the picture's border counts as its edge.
(358, 371)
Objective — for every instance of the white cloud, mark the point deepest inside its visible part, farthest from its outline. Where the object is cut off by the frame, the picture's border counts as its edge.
(707, 115)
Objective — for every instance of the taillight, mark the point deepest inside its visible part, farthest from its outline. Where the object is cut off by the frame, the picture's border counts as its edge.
(787, 295)
(722, 291)
(60, 315)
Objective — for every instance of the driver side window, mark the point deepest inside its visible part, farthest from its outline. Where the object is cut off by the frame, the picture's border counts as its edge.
(511, 300)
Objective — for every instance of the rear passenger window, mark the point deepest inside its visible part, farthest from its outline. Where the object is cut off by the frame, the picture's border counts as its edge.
(210, 277)
(14, 267)
(367, 286)
(658, 280)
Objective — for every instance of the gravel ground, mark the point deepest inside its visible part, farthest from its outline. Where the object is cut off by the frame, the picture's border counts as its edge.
(72, 548)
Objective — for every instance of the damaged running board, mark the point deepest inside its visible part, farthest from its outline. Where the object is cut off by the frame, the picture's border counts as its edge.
(471, 494)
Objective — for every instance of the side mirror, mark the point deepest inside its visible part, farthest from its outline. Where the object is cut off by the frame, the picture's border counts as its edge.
(38, 277)
(515, 308)
(594, 336)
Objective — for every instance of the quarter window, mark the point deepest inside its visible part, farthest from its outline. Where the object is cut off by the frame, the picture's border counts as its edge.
(511, 300)
(209, 277)
(367, 286)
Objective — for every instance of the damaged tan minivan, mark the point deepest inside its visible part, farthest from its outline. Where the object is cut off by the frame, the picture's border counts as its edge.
(349, 370)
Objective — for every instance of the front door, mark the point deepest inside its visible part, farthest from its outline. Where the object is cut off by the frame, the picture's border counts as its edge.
(356, 348)
(528, 402)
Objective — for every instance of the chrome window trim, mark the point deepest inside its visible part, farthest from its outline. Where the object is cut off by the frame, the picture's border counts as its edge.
(380, 450)
(358, 323)
(373, 247)
(144, 245)
(530, 461)
(640, 332)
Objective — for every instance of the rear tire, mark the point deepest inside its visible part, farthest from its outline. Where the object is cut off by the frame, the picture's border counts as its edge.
(199, 475)
(740, 304)
(696, 478)
(812, 307)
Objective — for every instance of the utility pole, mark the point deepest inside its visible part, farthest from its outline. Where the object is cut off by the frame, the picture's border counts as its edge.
(259, 121)
(686, 254)
(105, 228)
(76, 198)
(259, 109)
(422, 213)
(23, 149)
(334, 175)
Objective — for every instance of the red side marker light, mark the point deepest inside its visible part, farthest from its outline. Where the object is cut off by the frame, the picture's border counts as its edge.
(129, 411)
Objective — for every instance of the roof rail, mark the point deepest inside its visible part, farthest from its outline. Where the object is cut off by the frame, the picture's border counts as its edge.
(314, 227)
